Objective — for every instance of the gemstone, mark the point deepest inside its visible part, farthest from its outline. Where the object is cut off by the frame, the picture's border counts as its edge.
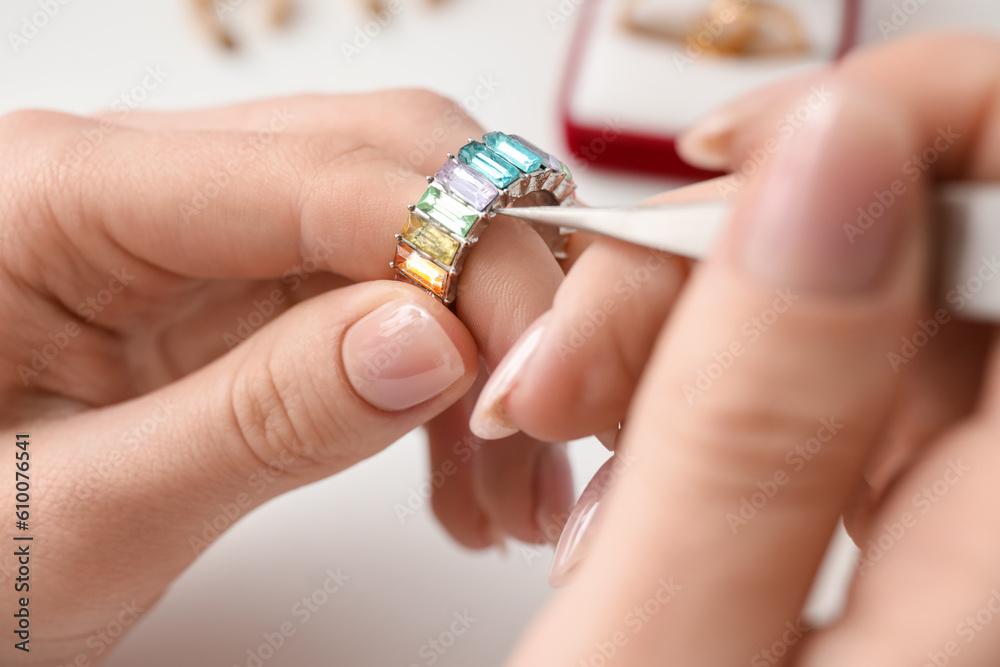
(569, 174)
(525, 159)
(548, 159)
(449, 212)
(466, 183)
(430, 239)
(494, 167)
(422, 270)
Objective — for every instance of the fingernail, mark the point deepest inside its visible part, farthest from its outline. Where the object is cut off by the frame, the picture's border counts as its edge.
(575, 539)
(489, 419)
(798, 221)
(706, 143)
(398, 356)
(553, 491)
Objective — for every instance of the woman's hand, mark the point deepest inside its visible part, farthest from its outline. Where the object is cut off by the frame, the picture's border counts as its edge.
(781, 394)
(194, 323)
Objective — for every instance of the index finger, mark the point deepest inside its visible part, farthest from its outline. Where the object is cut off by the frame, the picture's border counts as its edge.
(259, 204)
(273, 189)
(771, 384)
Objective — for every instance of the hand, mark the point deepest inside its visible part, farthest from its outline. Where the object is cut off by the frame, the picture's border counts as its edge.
(772, 392)
(198, 318)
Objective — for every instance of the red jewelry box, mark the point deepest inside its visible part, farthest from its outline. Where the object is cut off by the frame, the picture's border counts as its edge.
(625, 96)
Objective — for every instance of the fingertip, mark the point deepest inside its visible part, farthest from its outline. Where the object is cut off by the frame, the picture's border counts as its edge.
(706, 143)
(406, 351)
(603, 325)
(517, 480)
(507, 283)
(717, 141)
(472, 530)
(553, 491)
(490, 418)
(453, 452)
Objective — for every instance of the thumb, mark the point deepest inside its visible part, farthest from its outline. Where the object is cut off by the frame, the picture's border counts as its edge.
(330, 382)
(763, 397)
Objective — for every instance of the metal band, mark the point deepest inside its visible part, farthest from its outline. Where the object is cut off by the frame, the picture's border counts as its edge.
(462, 198)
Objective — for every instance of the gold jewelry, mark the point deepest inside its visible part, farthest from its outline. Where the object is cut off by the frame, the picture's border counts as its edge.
(730, 28)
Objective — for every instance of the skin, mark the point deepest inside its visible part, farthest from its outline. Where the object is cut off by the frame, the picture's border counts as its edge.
(913, 463)
(664, 519)
(312, 214)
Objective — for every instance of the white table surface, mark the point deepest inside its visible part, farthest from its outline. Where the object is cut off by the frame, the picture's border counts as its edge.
(406, 580)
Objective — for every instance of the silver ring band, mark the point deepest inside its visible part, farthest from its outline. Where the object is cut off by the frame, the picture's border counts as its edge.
(463, 196)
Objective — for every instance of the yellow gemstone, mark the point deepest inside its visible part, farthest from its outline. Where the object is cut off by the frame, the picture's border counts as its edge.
(421, 270)
(430, 239)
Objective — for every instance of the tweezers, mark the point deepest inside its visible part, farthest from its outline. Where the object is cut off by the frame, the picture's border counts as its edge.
(967, 213)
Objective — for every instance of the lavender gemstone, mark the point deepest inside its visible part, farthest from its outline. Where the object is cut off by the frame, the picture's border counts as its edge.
(548, 159)
(467, 184)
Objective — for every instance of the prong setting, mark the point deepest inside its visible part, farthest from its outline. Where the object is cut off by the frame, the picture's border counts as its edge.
(462, 199)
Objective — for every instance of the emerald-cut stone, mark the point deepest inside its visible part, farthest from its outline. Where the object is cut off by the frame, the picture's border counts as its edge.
(518, 154)
(467, 184)
(490, 164)
(569, 174)
(430, 239)
(447, 211)
(421, 270)
(548, 159)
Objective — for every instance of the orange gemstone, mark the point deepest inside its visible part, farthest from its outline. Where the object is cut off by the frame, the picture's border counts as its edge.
(421, 270)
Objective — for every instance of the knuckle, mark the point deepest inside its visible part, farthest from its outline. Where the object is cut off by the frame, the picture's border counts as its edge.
(37, 142)
(29, 121)
(426, 108)
(744, 440)
(325, 153)
(425, 98)
(338, 165)
(277, 422)
(312, 160)
(308, 99)
(39, 139)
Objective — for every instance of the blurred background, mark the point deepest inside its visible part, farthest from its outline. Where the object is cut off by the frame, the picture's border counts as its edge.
(403, 594)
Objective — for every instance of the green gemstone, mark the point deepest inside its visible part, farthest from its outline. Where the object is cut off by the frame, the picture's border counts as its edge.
(569, 174)
(447, 211)
(430, 239)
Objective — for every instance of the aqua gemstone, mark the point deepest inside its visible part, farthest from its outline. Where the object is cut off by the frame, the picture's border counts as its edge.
(492, 165)
(549, 160)
(526, 160)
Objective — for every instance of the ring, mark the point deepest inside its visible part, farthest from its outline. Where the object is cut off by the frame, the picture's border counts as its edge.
(463, 196)
(730, 28)
(764, 28)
